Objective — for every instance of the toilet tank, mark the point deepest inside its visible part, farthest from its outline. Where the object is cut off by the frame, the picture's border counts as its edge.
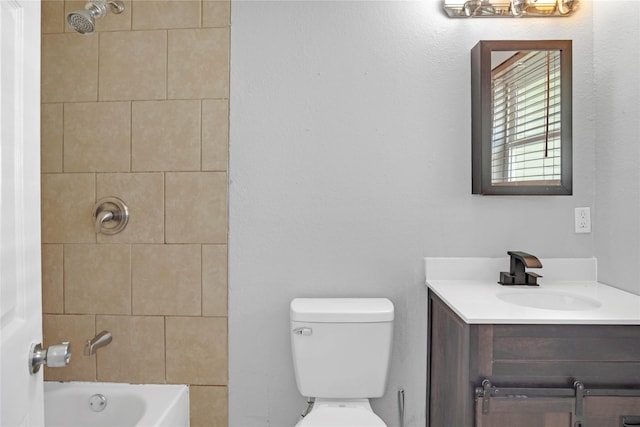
(341, 346)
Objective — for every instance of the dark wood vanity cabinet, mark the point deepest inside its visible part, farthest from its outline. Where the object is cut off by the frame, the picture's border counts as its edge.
(462, 356)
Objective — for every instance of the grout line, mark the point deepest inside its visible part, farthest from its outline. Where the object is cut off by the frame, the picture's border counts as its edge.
(131, 279)
(202, 280)
(95, 332)
(131, 6)
(98, 68)
(164, 207)
(201, 135)
(64, 303)
(63, 138)
(166, 64)
(130, 136)
(164, 335)
(95, 200)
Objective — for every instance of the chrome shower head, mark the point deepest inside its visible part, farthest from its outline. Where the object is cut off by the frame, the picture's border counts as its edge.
(83, 20)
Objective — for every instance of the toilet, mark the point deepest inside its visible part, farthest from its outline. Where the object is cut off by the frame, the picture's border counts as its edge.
(341, 352)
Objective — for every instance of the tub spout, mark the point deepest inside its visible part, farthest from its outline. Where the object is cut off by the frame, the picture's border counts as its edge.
(100, 340)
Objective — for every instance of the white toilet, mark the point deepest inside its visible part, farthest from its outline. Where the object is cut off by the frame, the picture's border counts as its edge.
(341, 351)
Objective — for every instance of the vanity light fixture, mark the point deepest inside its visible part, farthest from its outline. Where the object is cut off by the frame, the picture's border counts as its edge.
(509, 8)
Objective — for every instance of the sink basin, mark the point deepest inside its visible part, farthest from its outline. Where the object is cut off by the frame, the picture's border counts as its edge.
(549, 300)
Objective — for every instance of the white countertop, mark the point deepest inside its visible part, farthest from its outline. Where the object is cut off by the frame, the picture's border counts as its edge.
(469, 286)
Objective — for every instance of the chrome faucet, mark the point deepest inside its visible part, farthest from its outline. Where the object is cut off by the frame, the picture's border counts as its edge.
(100, 340)
(517, 274)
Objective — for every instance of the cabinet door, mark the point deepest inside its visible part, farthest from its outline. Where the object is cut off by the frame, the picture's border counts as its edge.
(450, 391)
(612, 411)
(527, 412)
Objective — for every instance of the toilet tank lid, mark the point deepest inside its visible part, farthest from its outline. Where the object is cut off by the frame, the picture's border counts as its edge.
(341, 310)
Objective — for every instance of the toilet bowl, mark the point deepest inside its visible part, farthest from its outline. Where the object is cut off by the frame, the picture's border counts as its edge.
(341, 413)
(341, 352)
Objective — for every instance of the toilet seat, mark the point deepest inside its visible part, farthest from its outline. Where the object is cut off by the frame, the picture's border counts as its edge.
(341, 413)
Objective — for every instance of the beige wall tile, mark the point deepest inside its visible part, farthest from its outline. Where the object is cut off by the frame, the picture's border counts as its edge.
(198, 63)
(143, 193)
(67, 204)
(196, 207)
(166, 279)
(97, 279)
(133, 65)
(111, 22)
(151, 14)
(117, 22)
(51, 138)
(52, 276)
(216, 13)
(215, 134)
(76, 330)
(166, 136)
(214, 280)
(136, 353)
(97, 137)
(161, 139)
(189, 338)
(69, 68)
(52, 12)
(208, 406)
(70, 6)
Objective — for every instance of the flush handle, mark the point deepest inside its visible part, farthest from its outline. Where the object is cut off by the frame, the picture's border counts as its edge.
(302, 331)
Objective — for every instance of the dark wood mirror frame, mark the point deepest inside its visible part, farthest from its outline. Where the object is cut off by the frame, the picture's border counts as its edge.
(481, 117)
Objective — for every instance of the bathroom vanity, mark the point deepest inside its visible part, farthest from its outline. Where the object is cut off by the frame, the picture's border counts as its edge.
(564, 354)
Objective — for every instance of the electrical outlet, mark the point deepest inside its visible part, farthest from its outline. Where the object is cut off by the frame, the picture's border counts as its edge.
(583, 220)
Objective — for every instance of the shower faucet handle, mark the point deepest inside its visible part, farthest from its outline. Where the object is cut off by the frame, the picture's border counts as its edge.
(101, 218)
(110, 216)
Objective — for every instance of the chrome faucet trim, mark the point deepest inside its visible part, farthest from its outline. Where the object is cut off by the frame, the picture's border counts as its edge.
(100, 340)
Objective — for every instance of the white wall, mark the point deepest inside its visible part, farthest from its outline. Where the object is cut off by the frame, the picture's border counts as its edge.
(617, 216)
(350, 162)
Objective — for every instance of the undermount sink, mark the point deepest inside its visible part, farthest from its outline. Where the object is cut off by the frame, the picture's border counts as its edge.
(549, 300)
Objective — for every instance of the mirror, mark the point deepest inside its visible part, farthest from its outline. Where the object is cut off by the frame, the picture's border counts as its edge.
(521, 117)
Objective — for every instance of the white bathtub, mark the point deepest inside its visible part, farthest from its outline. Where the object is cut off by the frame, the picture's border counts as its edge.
(81, 404)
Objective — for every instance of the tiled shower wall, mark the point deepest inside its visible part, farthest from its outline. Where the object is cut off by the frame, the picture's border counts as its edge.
(139, 111)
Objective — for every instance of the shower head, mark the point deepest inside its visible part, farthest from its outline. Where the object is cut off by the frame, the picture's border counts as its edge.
(83, 20)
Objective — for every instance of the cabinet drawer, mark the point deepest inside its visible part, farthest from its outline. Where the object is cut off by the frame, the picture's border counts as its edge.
(612, 411)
